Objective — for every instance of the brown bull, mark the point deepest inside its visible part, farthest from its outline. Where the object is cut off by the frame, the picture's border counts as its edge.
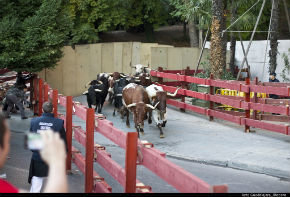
(135, 99)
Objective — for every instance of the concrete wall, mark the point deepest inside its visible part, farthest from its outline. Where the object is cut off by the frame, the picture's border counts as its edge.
(256, 57)
(82, 64)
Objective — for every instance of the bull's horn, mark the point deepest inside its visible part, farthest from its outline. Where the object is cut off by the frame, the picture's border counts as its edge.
(148, 105)
(137, 80)
(131, 65)
(136, 77)
(97, 90)
(85, 92)
(117, 80)
(100, 82)
(87, 84)
(175, 93)
(131, 105)
(147, 77)
(119, 94)
(122, 75)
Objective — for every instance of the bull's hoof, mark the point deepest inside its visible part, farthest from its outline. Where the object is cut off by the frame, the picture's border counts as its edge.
(150, 121)
(114, 114)
(142, 132)
(128, 126)
(162, 136)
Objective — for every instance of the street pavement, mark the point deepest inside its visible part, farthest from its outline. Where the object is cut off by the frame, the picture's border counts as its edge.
(200, 147)
(192, 137)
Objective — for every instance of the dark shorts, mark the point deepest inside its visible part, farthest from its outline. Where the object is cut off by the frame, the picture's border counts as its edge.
(37, 168)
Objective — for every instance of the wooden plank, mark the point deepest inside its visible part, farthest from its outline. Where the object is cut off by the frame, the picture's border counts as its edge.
(174, 175)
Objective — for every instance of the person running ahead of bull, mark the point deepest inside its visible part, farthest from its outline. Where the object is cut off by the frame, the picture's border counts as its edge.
(38, 168)
(16, 96)
(272, 78)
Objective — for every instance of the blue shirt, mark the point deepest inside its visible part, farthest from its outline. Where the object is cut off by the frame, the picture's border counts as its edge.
(45, 122)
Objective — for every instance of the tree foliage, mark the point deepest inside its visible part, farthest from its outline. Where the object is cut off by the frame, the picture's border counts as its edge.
(92, 17)
(32, 33)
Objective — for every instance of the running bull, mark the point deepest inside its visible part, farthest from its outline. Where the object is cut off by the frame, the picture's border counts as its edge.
(135, 99)
(157, 97)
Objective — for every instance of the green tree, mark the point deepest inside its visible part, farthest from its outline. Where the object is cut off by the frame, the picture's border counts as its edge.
(146, 15)
(32, 34)
(94, 16)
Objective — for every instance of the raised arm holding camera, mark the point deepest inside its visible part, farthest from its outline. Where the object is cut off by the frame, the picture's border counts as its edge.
(53, 153)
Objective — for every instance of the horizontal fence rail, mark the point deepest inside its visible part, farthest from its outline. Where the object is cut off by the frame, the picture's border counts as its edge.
(275, 106)
(148, 156)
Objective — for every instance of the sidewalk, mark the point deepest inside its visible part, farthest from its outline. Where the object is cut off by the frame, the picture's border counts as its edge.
(192, 137)
(17, 165)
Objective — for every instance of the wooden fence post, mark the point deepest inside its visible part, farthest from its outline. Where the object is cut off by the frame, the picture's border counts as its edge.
(90, 125)
(35, 99)
(55, 101)
(69, 106)
(247, 100)
(211, 92)
(31, 82)
(255, 99)
(160, 79)
(183, 86)
(40, 96)
(130, 164)
(45, 89)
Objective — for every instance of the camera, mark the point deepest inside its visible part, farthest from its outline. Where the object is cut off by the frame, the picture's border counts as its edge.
(33, 141)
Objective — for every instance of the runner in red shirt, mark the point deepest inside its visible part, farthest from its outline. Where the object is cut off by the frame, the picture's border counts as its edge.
(6, 187)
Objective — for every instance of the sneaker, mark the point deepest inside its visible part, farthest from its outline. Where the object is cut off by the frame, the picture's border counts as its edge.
(23, 117)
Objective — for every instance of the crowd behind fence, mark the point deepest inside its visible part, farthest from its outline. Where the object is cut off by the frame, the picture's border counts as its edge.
(137, 152)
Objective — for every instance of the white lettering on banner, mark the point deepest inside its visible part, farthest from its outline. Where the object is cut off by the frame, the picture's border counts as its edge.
(45, 124)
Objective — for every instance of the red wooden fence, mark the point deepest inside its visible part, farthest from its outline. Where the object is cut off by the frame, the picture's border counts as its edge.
(148, 156)
(282, 89)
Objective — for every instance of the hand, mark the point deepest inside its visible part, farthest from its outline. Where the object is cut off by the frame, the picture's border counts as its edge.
(53, 151)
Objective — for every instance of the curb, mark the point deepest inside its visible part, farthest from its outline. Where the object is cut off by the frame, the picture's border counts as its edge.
(236, 165)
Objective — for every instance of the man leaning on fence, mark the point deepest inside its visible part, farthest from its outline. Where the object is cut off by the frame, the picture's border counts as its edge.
(38, 169)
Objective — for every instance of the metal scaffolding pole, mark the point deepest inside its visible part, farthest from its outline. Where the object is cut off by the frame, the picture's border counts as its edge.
(243, 48)
(252, 37)
(200, 55)
(287, 14)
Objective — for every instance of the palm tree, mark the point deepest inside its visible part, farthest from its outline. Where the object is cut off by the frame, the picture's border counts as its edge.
(196, 13)
(217, 46)
(274, 37)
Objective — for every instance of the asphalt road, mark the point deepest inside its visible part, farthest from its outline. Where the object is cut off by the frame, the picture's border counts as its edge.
(176, 134)
(17, 165)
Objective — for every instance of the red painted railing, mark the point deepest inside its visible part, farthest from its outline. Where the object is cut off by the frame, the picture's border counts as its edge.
(264, 105)
(148, 156)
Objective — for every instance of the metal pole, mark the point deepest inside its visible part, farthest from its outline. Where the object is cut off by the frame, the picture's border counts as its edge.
(89, 168)
(252, 37)
(68, 121)
(130, 164)
(287, 14)
(240, 17)
(243, 48)
(200, 55)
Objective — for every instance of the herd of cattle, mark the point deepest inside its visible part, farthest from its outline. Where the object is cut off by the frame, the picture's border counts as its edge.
(136, 94)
